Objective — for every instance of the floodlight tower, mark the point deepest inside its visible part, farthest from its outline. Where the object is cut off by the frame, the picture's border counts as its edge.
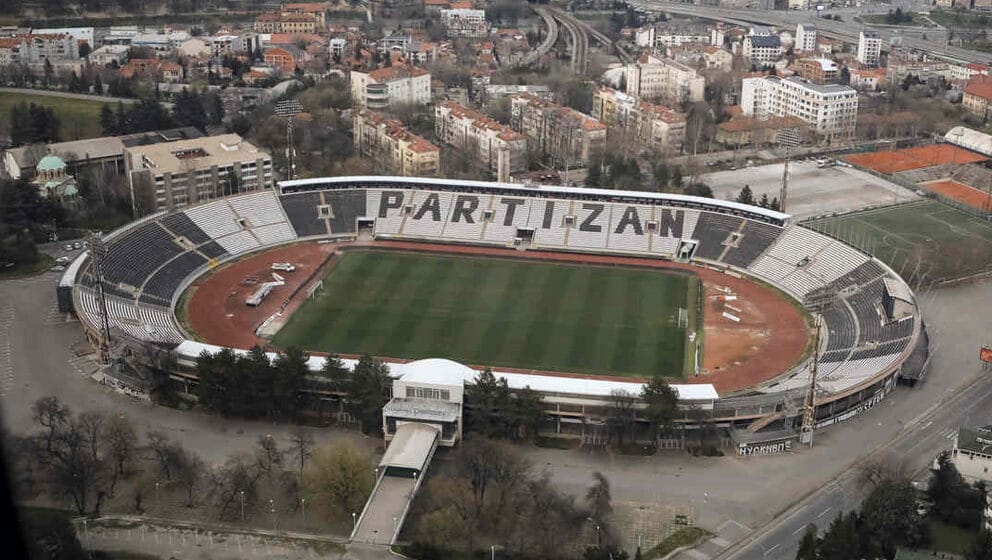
(809, 406)
(288, 109)
(785, 187)
(98, 251)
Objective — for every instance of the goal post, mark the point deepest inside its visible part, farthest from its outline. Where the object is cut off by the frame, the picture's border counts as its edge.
(316, 287)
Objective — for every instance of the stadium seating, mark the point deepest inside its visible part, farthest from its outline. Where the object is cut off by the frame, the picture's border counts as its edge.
(258, 209)
(132, 258)
(419, 222)
(556, 234)
(712, 231)
(302, 211)
(274, 234)
(629, 240)
(754, 239)
(240, 242)
(497, 230)
(180, 224)
(166, 280)
(216, 218)
(212, 250)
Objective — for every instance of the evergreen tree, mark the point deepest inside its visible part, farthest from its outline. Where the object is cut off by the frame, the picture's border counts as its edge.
(763, 201)
(746, 196)
(108, 122)
(808, 544)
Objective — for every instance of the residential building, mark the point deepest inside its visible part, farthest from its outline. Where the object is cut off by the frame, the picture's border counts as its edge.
(285, 58)
(830, 109)
(315, 10)
(565, 136)
(661, 79)
(762, 49)
(391, 145)
(805, 37)
(703, 56)
(173, 175)
(972, 453)
(653, 127)
(107, 54)
(36, 48)
(12, 50)
(977, 97)
(152, 69)
(481, 138)
(869, 48)
(195, 47)
(749, 131)
(818, 70)
(465, 23)
(899, 67)
(394, 85)
(867, 79)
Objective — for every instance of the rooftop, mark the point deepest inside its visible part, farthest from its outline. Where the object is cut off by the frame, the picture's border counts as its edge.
(980, 86)
(397, 72)
(411, 446)
(765, 41)
(976, 440)
(178, 156)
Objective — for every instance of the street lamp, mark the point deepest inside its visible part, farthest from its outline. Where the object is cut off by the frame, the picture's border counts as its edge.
(492, 550)
(158, 495)
(303, 506)
(272, 510)
(396, 525)
(354, 522)
(242, 493)
(599, 537)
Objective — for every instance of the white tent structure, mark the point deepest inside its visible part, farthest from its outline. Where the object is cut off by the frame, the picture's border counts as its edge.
(970, 139)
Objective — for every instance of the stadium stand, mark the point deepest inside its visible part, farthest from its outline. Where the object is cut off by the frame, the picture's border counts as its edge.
(216, 219)
(132, 258)
(753, 240)
(713, 231)
(240, 242)
(211, 250)
(164, 283)
(304, 214)
(180, 225)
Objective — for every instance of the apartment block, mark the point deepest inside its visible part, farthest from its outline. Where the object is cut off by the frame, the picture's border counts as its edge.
(391, 145)
(661, 79)
(391, 86)
(173, 175)
(805, 37)
(977, 98)
(869, 48)
(818, 70)
(653, 127)
(481, 138)
(465, 23)
(565, 136)
(830, 109)
(762, 49)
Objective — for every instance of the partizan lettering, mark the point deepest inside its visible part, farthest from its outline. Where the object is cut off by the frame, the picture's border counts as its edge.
(595, 217)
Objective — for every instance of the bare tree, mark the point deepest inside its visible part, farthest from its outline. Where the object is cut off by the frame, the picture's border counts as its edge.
(120, 440)
(620, 414)
(166, 452)
(302, 446)
(234, 484)
(190, 473)
(91, 423)
(52, 415)
(269, 455)
(75, 472)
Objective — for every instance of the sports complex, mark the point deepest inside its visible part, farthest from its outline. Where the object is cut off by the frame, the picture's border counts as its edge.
(575, 293)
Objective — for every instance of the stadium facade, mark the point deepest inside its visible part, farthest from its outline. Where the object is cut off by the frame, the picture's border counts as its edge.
(871, 330)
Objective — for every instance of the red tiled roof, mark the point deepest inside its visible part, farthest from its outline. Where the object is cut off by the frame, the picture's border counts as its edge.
(980, 86)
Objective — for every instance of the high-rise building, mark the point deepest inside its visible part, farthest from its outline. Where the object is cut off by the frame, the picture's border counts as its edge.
(479, 136)
(391, 145)
(565, 136)
(387, 87)
(869, 48)
(805, 37)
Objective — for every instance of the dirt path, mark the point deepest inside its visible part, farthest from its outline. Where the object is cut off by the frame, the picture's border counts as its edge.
(769, 336)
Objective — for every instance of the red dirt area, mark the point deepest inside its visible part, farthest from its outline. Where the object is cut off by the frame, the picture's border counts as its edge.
(914, 158)
(961, 192)
(216, 310)
(770, 337)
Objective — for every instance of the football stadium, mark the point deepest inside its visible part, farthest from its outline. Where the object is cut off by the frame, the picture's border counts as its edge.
(574, 293)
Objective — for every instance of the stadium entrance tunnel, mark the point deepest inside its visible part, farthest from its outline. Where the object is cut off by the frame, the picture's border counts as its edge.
(425, 412)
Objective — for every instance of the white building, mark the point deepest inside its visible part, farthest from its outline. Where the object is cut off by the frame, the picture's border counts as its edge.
(869, 48)
(391, 86)
(762, 49)
(481, 138)
(972, 453)
(653, 78)
(108, 54)
(830, 109)
(465, 23)
(805, 37)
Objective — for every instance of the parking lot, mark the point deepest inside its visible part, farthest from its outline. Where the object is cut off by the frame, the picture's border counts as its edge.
(813, 191)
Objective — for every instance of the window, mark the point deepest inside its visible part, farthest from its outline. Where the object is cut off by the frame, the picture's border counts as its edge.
(428, 393)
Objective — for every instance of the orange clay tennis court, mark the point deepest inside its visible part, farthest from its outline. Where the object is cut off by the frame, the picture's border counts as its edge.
(914, 158)
(960, 192)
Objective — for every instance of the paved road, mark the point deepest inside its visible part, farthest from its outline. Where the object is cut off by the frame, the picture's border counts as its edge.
(549, 40)
(846, 30)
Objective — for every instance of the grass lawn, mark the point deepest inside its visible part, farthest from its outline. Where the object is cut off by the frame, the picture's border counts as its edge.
(924, 239)
(43, 263)
(948, 538)
(917, 20)
(78, 118)
(686, 536)
(960, 18)
(498, 312)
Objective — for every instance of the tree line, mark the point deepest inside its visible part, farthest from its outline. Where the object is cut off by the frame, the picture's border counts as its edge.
(895, 515)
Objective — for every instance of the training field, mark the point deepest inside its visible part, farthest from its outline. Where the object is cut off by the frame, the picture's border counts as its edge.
(923, 240)
(500, 312)
(895, 161)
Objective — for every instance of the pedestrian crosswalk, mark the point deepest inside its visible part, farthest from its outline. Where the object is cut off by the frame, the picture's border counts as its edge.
(84, 366)
(56, 317)
(949, 433)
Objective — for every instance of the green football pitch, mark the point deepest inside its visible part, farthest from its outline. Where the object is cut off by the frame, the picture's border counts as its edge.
(923, 241)
(502, 312)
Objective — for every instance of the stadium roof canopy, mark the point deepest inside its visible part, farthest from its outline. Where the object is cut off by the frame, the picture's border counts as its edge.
(970, 139)
(449, 373)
